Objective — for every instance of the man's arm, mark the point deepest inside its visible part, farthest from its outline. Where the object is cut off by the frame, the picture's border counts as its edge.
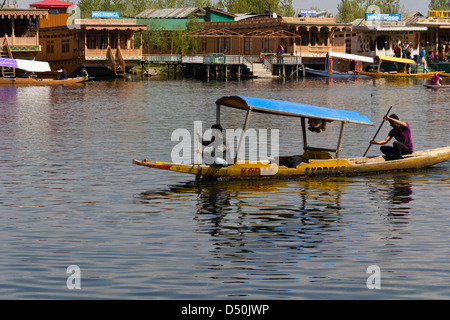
(401, 123)
(382, 141)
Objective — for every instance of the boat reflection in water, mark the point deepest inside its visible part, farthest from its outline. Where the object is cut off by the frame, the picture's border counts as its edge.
(302, 212)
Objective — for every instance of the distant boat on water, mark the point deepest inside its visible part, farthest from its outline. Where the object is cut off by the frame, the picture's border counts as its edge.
(342, 65)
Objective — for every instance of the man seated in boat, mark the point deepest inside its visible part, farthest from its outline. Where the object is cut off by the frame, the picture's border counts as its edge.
(435, 80)
(218, 155)
(402, 133)
(62, 74)
(84, 73)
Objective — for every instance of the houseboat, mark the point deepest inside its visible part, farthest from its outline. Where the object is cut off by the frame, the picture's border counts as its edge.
(19, 36)
(104, 46)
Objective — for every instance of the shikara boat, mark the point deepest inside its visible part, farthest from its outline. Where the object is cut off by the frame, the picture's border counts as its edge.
(313, 162)
(433, 86)
(41, 81)
(31, 66)
(395, 68)
(342, 65)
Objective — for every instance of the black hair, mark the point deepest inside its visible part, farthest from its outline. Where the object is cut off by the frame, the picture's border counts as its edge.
(394, 116)
(217, 126)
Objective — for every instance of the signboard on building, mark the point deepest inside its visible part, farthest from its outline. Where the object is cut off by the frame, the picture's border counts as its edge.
(308, 13)
(383, 17)
(439, 14)
(105, 14)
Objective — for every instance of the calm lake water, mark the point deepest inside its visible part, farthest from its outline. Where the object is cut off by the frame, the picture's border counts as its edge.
(70, 195)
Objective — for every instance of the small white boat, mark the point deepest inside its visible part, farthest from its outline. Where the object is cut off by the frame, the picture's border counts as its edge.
(342, 65)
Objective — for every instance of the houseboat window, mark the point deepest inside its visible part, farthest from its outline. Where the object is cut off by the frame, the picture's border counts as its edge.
(113, 41)
(5, 27)
(266, 45)
(103, 41)
(246, 45)
(382, 43)
(50, 46)
(305, 39)
(91, 41)
(224, 45)
(21, 27)
(53, 11)
(65, 45)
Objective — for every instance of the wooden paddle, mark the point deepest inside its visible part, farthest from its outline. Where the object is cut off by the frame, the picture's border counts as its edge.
(387, 113)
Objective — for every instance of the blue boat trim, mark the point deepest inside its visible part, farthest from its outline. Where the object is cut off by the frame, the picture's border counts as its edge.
(292, 109)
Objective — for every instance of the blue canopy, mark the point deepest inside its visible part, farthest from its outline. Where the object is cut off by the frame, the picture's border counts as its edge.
(292, 109)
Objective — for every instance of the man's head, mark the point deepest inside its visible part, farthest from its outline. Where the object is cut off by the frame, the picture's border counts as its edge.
(217, 127)
(392, 123)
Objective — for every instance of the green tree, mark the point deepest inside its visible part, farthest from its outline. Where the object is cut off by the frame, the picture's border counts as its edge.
(439, 5)
(349, 10)
(281, 7)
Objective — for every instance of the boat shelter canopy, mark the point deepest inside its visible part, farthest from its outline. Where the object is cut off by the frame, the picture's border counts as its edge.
(27, 65)
(292, 109)
(347, 56)
(393, 59)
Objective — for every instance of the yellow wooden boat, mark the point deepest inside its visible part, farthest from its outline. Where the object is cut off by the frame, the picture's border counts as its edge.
(313, 162)
(395, 68)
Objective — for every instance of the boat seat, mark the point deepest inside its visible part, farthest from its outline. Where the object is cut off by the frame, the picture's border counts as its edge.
(290, 161)
(316, 154)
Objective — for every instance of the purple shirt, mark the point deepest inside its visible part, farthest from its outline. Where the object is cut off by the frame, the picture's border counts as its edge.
(403, 135)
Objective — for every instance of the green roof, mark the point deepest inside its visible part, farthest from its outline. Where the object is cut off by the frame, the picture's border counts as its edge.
(167, 24)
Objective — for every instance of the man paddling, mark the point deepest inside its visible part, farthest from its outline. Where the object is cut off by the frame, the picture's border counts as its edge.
(402, 133)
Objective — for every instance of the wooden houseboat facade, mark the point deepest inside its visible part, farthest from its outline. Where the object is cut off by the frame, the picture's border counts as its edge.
(103, 46)
(261, 35)
(19, 36)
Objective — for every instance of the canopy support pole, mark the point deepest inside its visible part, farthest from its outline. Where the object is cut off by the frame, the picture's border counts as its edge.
(341, 135)
(305, 143)
(217, 111)
(244, 129)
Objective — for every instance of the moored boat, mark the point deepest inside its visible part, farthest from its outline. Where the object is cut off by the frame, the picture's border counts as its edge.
(433, 86)
(41, 81)
(395, 68)
(342, 65)
(313, 162)
(32, 66)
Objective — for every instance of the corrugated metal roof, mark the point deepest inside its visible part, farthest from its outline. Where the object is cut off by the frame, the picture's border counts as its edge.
(172, 13)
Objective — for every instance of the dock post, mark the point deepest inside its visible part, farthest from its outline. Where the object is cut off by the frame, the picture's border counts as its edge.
(207, 72)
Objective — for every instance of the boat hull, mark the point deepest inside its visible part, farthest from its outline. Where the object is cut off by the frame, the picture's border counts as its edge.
(431, 86)
(384, 75)
(40, 82)
(313, 167)
(335, 74)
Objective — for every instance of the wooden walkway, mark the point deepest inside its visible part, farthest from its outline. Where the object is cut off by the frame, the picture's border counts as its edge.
(222, 66)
